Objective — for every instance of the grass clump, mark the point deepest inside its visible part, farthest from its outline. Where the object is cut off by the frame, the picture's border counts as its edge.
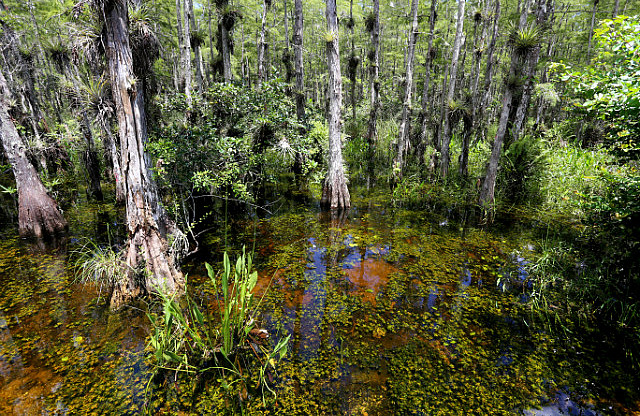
(103, 265)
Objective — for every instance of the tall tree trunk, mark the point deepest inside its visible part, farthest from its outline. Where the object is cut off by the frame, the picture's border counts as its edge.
(405, 124)
(184, 33)
(445, 138)
(519, 57)
(38, 213)
(151, 267)
(479, 118)
(523, 106)
(374, 99)
(209, 71)
(262, 45)
(112, 146)
(593, 23)
(195, 42)
(354, 61)
(469, 118)
(226, 26)
(90, 158)
(334, 189)
(424, 112)
(299, 59)
(286, 54)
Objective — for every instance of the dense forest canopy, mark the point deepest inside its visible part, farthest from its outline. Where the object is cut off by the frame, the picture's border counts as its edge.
(181, 111)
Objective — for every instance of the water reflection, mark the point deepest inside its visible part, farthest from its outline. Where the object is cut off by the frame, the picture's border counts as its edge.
(390, 313)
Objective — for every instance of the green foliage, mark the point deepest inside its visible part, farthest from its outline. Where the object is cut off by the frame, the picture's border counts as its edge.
(609, 89)
(195, 339)
(231, 132)
(523, 162)
(99, 264)
(526, 38)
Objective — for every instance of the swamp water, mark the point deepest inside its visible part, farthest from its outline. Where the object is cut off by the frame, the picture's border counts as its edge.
(390, 312)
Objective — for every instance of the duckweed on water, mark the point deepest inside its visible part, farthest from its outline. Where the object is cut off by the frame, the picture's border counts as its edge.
(389, 312)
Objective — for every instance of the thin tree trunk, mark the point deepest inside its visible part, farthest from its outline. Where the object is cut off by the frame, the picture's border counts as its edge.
(112, 146)
(445, 139)
(38, 213)
(90, 158)
(193, 23)
(374, 70)
(334, 189)
(286, 55)
(405, 124)
(469, 119)
(593, 23)
(185, 48)
(226, 26)
(211, 57)
(479, 119)
(151, 267)
(424, 114)
(487, 192)
(353, 63)
(262, 44)
(298, 26)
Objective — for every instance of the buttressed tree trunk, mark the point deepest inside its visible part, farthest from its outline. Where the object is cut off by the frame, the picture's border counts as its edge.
(151, 267)
(38, 213)
(403, 140)
(334, 189)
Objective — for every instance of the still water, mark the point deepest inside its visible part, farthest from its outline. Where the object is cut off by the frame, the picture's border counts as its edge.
(390, 311)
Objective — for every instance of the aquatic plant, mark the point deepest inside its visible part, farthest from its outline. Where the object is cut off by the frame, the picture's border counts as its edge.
(99, 264)
(191, 338)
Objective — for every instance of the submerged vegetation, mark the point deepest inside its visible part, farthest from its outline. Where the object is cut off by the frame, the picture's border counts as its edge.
(457, 233)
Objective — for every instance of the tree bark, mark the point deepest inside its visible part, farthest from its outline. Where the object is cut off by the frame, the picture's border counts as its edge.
(353, 64)
(445, 139)
(405, 123)
(38, 213)
(112, 146)
(593, 23)
(424, 113)
(374, 99)
(151, 267)
(479, 119)
(225, 39)
(193, 23)
(90, 158)
(184, 44)
(210, 75)
(298, 42)
(487, 192)
(334, 189)
(262, 45)
(470, 117)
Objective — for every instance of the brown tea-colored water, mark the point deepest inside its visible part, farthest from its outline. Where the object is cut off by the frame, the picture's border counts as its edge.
(389, 312)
